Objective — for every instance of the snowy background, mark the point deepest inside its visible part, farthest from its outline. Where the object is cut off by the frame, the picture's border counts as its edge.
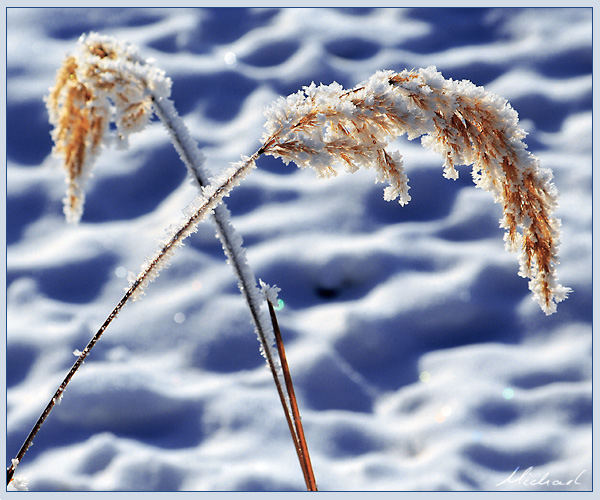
(420, 360)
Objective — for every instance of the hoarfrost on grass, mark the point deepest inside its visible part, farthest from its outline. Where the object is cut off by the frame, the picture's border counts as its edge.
(327, 128)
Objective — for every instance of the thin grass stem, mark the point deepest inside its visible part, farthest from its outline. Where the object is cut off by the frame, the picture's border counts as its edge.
(290, 422)
(147, 274)
(299, 436)
(230, 240)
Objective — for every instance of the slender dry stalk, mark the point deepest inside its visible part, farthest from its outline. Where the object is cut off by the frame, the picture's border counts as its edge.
(211, 197)
(284, 398)
(297, 430)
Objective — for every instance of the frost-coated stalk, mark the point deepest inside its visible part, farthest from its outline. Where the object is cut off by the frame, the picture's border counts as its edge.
(230, 238)
(212, 195)
(107, 81)
(187, 148)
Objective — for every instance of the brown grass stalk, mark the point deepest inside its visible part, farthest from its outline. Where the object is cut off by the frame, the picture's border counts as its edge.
(297, 431)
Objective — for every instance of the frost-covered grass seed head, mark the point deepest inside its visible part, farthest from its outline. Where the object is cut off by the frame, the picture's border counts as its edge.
(104, 81)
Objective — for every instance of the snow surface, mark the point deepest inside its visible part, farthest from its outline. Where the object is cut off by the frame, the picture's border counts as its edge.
(419, 358)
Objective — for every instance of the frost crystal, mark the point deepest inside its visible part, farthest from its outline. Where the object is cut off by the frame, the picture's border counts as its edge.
(271, 292)
(19, 483)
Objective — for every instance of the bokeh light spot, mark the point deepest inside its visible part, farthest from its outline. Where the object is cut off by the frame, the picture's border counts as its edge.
(230, 58)
(508, 393)
(120, 272)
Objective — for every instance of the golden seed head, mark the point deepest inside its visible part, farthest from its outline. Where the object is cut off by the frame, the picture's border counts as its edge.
(326, 126)
(103, 82)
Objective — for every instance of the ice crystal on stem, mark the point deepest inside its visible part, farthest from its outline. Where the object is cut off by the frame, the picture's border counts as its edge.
(326, 127)
(270, 292)
(19, 483)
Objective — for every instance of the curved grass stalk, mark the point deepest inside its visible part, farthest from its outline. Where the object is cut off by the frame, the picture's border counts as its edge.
(150, 270)
(294, 420)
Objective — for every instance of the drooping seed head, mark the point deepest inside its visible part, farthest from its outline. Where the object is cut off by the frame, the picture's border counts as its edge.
(326, 127)
(104, 81)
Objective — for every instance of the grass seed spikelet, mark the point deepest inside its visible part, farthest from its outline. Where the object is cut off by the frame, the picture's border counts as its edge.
(104, 82)
(327, 128)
